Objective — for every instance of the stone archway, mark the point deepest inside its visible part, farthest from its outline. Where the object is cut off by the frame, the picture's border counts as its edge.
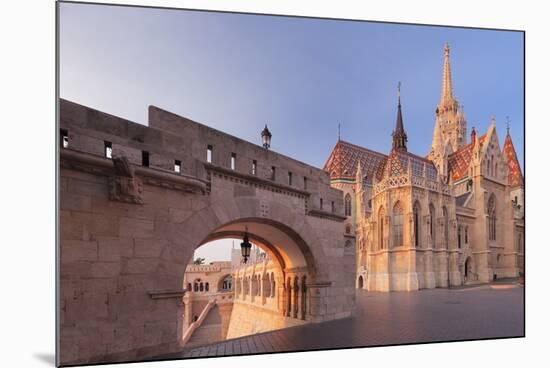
(360, 282)
(128, 231)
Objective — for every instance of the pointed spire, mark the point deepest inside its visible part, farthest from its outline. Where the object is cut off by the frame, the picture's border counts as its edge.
(473, 134)
(492, 119)
(399, 135)
(446, 84)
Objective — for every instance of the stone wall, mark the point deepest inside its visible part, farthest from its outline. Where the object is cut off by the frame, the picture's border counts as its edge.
(127, 231)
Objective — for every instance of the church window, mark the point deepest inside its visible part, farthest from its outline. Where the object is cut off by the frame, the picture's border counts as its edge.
(491, 213)
(233, 160)
(347, 205)
(145, 158)
(64, 138)
(446, 227)
(108, 149)
(209, 150)
(381, 228)
(432, 223)
(416, 215)
(397, 225)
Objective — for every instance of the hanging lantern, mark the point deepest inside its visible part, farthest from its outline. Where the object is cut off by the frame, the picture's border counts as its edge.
(266, 137)
(245, 247)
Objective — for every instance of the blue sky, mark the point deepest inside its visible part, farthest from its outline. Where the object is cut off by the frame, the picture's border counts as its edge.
(301, 76)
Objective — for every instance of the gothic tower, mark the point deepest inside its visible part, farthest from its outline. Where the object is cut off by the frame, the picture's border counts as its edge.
(450, 124)
(399, 136)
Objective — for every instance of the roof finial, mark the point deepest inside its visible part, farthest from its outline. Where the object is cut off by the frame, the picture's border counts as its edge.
(493, 118)
(507, 125)
(338, 131)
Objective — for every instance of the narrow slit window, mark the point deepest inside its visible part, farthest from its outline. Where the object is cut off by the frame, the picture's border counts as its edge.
(145, 158)
(233, 160)
(108, 149)
(321, 204)
(289, 178)
(254, 167)
(305, 183)
(64, 138)
(332, 207)
(272, 172)
(209, 154)
(177, 166)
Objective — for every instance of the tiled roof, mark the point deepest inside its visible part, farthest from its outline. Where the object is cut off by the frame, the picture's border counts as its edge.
(343, 160)
(459, 161)
(400, 164)
(515, 177)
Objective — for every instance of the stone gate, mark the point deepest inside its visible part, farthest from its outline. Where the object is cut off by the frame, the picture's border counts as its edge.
(136, 201)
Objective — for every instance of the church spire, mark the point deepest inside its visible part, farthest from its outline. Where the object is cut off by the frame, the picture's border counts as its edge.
(399, 135)
(447, 83)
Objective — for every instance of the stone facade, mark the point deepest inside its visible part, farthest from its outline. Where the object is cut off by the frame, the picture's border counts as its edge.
(451, 218)
(135, 203)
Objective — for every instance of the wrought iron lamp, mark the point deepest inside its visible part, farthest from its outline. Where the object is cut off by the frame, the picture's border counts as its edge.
(245, 247)
(266, 137)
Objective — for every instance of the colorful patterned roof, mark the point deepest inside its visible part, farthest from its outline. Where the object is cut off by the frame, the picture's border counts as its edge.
(343, 160)
(459, 161)
(515, 177)
(398, 163)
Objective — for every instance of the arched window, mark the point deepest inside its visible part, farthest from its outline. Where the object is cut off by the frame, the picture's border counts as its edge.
(206, 287)
(445, 228)
(416, 215)
(397, 225)
(492, 219)
(189, 287)
(196, 287)
(201, 286)
(432, 223)
(458, 237)
(465, 234)
(347, 205)
(381, 228)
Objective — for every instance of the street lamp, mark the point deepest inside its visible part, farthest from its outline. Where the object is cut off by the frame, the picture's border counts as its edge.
(266, 137)
(245, 247)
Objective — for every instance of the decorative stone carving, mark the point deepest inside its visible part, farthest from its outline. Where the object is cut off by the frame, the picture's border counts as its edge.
(124, 185)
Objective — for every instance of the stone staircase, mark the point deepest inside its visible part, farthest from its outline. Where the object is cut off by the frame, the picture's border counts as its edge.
(206, 329)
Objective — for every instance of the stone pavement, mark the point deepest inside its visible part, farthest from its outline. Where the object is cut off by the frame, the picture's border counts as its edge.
(393, 318)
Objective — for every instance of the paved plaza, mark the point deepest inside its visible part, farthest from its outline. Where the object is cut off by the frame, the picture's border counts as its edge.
(488, 311)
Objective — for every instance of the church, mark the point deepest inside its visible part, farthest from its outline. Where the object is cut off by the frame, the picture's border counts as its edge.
(452, 217)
